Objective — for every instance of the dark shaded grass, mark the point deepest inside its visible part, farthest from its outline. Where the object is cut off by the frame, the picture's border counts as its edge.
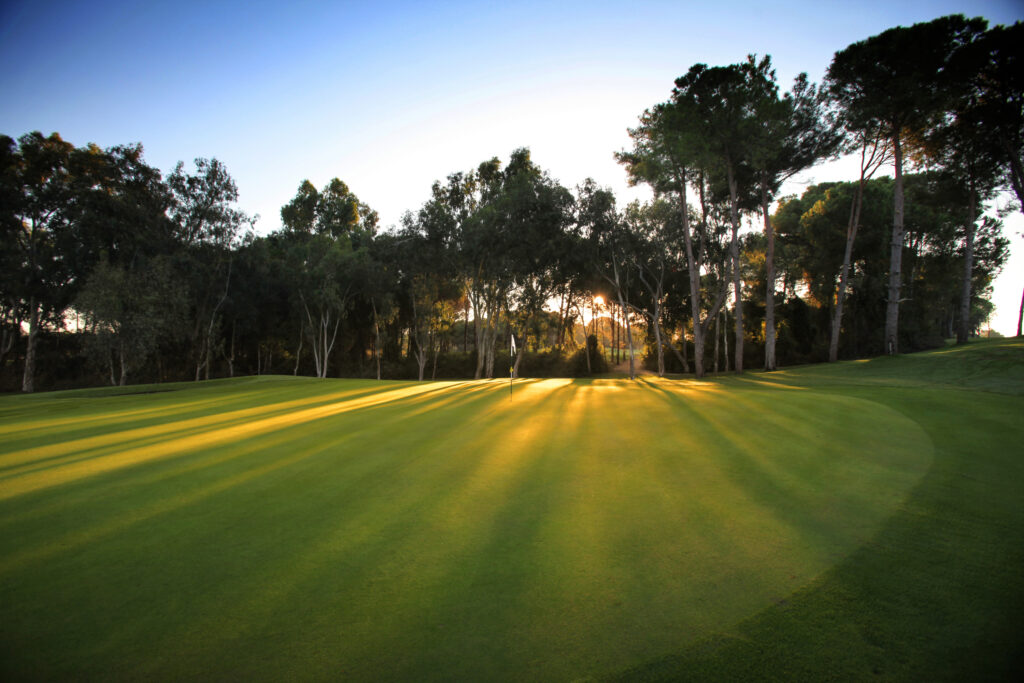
(938, 594)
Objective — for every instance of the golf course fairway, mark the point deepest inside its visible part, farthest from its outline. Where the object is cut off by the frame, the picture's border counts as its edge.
(849, 521)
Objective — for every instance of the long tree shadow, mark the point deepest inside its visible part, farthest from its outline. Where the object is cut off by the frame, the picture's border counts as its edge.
(48, 508)
(106, 452)
(390, 531)
(824, 478)
(936, 594)
(452, 533)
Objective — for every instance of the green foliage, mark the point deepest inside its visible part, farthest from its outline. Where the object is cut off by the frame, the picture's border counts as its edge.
(812, 231)
(127, 312)
(597, 365)
(901, 77)
(494, 247)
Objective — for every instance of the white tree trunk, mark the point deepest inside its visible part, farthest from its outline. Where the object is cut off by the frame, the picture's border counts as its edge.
(892, 305)
(28, 381)
(963, 332)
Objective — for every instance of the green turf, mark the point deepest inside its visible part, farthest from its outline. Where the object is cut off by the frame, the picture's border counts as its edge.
(851, 521)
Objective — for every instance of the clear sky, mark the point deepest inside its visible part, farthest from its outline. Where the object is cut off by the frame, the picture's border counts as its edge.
(390, 96)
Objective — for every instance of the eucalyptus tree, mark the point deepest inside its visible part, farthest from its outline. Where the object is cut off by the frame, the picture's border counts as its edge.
(37, 177)
(719, 106)
(329, 234)
(611, 246)
(459, 214)
(202, 206)
(127, 310)
(124, 249)
(667, 155)
(495, 213)
(655, 256)
(259, 305)
(898, 81)
(537, 215)
(423, 282)
(382, 289)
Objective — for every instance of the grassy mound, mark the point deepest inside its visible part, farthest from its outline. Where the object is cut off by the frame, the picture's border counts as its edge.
(849, 520)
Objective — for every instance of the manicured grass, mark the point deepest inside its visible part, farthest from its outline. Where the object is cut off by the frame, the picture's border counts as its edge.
(843, 521)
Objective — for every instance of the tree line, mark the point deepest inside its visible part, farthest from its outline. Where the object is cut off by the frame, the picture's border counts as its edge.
(112, 272)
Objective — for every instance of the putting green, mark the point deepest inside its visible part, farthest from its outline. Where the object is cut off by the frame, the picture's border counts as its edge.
(292, 528)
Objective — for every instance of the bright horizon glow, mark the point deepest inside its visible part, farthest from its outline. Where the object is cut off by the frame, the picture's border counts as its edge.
(391, 97)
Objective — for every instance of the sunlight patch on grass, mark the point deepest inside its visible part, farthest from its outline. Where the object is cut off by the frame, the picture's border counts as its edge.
(157, 443)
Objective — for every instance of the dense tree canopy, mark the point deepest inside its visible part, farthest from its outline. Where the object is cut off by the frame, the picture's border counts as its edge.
(111, 272)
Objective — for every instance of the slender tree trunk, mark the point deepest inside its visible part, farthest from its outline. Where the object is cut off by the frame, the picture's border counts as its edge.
(124, 367)
(298, 354)
(7, 337)
(629, 335)
(892, 306)
(693, 270)
(734, 250)
(421, 360)
(560, 332)
(479, 336)
(476, 339)
(657, 339)
(417, 336)
(28, 378)
(869, 163)
(376, 336)
(965, 296)
(686, 363)
(714, 367)
(611, 333)
(681, 356)
(480, 343)
(199, 360)
(586, 337)
(844, 273)
(231, 358)
(314, 334)
(1020, 316)
(725, 341)
(328, 347)
(1016, 174)
(433, 370)
(769, 264)
(492, 340)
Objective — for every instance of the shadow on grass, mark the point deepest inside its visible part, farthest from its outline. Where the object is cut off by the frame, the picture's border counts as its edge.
(445, 533)
(183, 456)
(937, 594)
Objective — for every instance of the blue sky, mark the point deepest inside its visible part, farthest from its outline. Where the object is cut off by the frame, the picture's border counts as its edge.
(391, 96)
